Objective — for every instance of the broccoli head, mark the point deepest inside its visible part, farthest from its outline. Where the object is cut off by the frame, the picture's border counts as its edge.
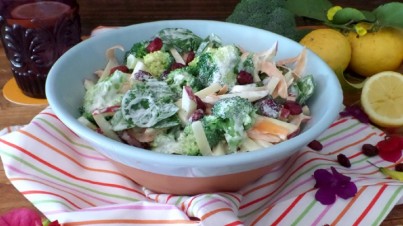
(166, 143)
(183, 40)
(178, 78)
(157, 62)
(217, 65)
(213, 128)
(105, 93)
(238, 115)
(187, 142)
(246, 8)
(138, 50)
(270, 15)
(247, 64)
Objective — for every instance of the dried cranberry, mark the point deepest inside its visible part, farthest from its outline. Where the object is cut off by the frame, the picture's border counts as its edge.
(199, 103)
(190, 57)
(121, 68)
(244, 78)
(284, 113)
(399, 167)
(268, 107)
(154, 45)
(293, 107)
(176, 66)
(369, 150)
(294, 134)
(196, 115)
(315, 145)
(142, 75)
(343, 160)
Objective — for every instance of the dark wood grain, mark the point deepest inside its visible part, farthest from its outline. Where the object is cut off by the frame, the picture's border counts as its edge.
(120, 13)
(127, 12)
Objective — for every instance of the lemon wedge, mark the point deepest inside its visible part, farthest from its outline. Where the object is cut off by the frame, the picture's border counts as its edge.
(382, 99)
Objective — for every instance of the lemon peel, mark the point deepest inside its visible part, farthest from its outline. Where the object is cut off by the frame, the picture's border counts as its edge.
(332, 11)
(376, 51)
(330, 45)
(360, 30)
(389, 172)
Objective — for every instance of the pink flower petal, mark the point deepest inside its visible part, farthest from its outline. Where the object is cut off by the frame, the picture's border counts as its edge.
(21, 217)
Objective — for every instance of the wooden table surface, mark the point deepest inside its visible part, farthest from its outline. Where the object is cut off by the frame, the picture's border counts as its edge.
(92, 15)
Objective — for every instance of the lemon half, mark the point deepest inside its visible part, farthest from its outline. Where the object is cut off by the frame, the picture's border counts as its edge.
(382, 99)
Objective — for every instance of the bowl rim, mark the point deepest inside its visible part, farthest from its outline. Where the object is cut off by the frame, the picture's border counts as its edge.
(183, 160)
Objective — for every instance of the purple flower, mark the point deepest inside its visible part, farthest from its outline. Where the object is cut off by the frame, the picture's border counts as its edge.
(356, 112)
(331, 185)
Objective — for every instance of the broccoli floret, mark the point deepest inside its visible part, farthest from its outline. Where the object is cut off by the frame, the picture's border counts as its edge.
(306, 87)
(217, 66)
(178, 78)
(246, 64)
(213, 128)
(138, 50)
(270, 15)
(187, 142)
(238, 115)
(157, 62)
(166, 143)
(183, 40)
(105, 93)
(148, 104)
(212, 41)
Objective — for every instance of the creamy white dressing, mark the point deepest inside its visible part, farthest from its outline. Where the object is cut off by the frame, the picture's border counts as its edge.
(106, 93)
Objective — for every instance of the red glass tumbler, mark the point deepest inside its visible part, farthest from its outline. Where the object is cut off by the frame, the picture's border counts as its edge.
(34, 35)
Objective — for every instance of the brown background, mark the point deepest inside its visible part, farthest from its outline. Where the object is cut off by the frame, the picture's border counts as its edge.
(126, 12)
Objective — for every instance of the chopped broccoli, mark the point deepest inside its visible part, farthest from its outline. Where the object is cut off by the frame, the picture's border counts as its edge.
(166, 143)
(246, 64)
(212, 41)
(187, 142)
(217, 65)
(157, 62)
(306, 86)
(238, 115)
(184, 142)
(183, 40)
(139, 50)
(213, 128)
(149, 103)
(105, 93)
(270, 15)
(178, 78)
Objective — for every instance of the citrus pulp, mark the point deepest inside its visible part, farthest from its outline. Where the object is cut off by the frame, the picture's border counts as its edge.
(382, 99)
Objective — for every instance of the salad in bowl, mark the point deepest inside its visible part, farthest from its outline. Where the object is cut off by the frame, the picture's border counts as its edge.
(179, 93)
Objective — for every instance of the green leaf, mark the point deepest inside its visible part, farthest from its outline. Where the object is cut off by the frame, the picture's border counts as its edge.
(370, 16)
(347, 15)
(390, 14)
(314, 9)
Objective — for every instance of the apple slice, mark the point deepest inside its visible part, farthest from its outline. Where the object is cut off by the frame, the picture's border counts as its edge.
(189, 104)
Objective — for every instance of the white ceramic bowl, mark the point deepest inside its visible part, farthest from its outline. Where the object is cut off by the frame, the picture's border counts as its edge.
(177, 174)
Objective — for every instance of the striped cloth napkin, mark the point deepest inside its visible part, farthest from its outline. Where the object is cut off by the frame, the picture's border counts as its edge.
(69, 181)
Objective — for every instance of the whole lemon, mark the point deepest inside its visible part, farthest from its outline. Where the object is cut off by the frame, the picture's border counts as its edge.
(376, 51)
(330, 45)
